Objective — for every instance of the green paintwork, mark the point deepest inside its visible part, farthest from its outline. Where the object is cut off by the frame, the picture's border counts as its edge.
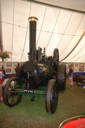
(39, 92)
(49, 69)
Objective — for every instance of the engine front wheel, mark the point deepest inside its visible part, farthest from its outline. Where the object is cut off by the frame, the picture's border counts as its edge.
(51, 96)
(10, 96)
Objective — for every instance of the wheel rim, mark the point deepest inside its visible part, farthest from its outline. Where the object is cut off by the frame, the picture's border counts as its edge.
(54, 99)
(62, 77)
(51, 96)
(11, 97)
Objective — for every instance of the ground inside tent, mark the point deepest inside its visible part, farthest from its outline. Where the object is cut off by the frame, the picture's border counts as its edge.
(28, 114)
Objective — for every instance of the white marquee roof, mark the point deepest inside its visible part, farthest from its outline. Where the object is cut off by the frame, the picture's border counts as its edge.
(69, 4)
(56, 28)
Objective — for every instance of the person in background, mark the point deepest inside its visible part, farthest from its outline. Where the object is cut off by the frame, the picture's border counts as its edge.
(70, 74)
(2, 74)
(3, 70)
(17, 69)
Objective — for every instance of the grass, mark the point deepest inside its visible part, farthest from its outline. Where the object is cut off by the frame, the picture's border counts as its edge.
(29, 114)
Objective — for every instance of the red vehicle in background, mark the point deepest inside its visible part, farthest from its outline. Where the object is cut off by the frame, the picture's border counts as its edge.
(74, 122)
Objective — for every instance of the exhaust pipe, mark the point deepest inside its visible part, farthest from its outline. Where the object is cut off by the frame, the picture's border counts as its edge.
(32, 38)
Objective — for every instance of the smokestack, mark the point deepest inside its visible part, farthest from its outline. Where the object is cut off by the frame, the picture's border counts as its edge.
(32, 36)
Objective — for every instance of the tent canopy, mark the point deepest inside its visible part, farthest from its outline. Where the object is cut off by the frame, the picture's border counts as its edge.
(78, 5)
(56, 28)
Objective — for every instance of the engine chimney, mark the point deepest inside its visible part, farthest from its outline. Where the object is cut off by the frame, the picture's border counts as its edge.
(32, 36)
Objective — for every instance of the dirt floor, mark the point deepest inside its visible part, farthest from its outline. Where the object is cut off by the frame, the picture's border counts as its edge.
(29, 114)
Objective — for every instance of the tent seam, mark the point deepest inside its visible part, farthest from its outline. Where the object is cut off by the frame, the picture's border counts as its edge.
(53, 30)
(41, 25)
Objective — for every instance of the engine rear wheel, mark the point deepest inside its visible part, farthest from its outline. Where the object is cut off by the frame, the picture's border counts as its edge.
(62, 77)
(51, 96)
(56, 55)
(10, 96)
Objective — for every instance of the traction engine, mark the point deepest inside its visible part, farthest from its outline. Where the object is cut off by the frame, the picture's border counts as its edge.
(41, 76)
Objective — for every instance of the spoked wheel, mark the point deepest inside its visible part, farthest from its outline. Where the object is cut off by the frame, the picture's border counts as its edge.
(51, 96)
(10, 95)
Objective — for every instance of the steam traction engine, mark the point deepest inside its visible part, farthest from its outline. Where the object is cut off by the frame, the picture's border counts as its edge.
(40, 76)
